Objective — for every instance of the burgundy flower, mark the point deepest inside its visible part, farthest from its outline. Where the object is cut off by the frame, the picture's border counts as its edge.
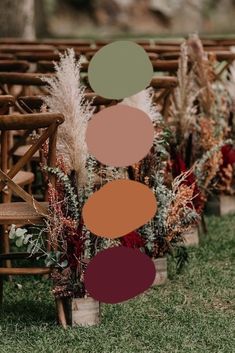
(75, 246)
(228, 153)
(178, 165)
(133, 240)
(75, 239)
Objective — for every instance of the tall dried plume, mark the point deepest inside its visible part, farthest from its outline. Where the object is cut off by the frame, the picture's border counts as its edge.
(67, 96)
(203, 69)
(183, 111)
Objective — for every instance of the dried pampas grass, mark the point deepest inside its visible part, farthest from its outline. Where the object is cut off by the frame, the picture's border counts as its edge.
(66, 96)
(230, 84)
(203, 68)
(183, 110)
(144, 101)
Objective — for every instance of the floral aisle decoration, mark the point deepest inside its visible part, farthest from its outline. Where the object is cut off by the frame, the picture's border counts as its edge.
(199, 120)
(70, 246)
(176, 211)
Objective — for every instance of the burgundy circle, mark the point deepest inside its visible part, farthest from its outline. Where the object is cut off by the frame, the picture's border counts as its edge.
(118, 274)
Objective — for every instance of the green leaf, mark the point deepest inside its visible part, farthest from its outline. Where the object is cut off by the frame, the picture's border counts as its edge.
(49, 262)
(20, 232)
(12, 233)
(30, 247)
(27, 238)
(19, 242)
(64, 263)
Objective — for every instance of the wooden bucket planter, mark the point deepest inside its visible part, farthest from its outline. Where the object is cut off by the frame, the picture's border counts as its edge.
(161, 271)
(82, 311)
(220, 205)
(191, 237)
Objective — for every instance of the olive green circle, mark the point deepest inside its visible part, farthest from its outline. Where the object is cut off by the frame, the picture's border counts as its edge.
(119, 70)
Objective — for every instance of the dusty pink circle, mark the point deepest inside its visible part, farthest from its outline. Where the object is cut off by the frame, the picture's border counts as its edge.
(119, 135)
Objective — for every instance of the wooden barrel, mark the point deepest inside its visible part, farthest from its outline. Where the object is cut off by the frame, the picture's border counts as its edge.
(191, 237)
(82, 311)
(161, 271)
(213, 205)
(220, 205)
(227, 204)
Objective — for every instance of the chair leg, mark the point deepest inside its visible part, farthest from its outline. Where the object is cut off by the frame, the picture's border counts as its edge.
(204, 225)
(6, 244)
(61, 313)
(1, 278)
(1, 292)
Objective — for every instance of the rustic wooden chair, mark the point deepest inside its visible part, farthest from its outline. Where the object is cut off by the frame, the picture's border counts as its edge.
(23, 178)
(14, 65)
(29, 211)
(6, 56)
(47, 42)
(221, 55)
(170, 66)
(35, 102)
(14, 48)
(164, 87)
(26, 80)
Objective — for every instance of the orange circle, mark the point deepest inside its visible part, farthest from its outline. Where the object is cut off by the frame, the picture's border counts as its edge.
(118, 208)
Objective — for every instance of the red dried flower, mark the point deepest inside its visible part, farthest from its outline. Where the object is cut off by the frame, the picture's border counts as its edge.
(133, 240)
(179, 167)
(228, 153)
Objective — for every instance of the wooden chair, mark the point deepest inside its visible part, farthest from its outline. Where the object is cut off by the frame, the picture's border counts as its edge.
(14, 65)
(14, 48)
(28, 211)
(164, 85)
(35, 102)
(22, 178)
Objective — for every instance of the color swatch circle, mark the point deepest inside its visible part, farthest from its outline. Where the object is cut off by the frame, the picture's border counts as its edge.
(118, 274)
(119, 70)
(119, 135)
(118, 208)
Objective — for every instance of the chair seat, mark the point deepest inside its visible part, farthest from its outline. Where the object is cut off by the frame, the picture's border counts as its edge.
(20, 256)
(19, 213)
(23, 149)
(24, 271)
(23, 178)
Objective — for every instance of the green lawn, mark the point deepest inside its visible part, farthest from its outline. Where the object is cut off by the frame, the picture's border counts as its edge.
(193, 312)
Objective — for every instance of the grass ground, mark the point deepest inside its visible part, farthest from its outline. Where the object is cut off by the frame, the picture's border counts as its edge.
(192, 313)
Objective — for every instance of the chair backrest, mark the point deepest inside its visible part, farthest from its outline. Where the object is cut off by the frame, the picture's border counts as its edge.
(47, 123)
(14, 65)
(34, 103)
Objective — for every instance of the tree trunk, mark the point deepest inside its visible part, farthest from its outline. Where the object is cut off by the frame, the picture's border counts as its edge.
(41, 23)
(17, 19)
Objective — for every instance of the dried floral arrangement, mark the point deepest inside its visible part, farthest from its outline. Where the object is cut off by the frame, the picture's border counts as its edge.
(188, 152)
(214, 114)
(199, 118)
(77, 175)
(191, 152)
(176, 212)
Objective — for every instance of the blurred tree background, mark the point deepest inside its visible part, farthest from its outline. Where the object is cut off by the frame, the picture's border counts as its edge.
(74, 18)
